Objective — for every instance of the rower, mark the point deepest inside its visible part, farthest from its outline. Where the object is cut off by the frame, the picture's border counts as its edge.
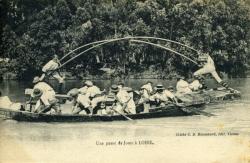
(148, 87)
(46, 95)
(162, 96)
(84, 99)
(207, 66)
(6, 103)
(182, 86)
(45, 103)
(79, 101)
(51, 69)
(125, 104)
(195, 84)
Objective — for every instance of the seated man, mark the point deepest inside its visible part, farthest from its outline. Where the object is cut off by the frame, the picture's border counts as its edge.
(182, 87)
(80, 101)
(6, 103)
(195, 84)
(148, 87)
(124, 103)
(85, 97)
(47, 97)
(162, 96)
(207, 66)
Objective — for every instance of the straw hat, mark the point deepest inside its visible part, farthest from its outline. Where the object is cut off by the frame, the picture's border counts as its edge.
(159, 87)
(88, 83)
(37, 92)
(114, 88)
(36, 79)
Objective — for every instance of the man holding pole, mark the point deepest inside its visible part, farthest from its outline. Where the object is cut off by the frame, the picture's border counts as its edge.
(51, 69)
(207, 66)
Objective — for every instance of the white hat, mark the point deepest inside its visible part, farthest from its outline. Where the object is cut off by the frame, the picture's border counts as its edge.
(36, 79)
(89, 83)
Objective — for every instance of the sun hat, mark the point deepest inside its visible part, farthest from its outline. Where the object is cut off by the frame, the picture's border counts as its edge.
(37, 92)
(88, 83)
(159, 87)
(114, 88)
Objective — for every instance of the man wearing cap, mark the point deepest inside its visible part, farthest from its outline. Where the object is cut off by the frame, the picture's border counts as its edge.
(47, 94)
(182, 86)
(207, 64)
(51, 68)
(162, 95)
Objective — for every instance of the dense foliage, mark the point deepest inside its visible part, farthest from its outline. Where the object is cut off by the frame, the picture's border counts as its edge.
(34, 30)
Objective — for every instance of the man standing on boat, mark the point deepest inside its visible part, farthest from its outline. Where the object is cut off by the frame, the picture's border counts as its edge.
(46, 95)
(207, 64)
(51, 69)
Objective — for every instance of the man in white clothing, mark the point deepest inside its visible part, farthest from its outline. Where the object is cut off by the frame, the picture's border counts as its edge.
(207, 64)
(46, 94)
(148, 87)
(195, 85)
(85, 98)
(182, 86)
(51, 68)
(163, 96)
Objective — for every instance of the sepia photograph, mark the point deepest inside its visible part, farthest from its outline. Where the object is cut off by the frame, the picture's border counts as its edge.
(125, 81)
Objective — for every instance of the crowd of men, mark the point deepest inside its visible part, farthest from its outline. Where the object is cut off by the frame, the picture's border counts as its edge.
(118, 99)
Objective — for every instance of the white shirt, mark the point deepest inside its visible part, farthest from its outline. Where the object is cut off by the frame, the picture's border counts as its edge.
(5, 102)
(50, 66)
(83, 90)
(148, 87)
(92, 91)
(195, 85)
(162, 96)
(44, 87)
(182, 87)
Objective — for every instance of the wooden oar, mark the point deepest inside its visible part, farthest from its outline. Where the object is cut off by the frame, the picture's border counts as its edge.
(112, 108)
(122, 115)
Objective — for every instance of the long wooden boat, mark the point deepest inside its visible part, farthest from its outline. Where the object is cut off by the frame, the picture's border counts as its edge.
(168, 111)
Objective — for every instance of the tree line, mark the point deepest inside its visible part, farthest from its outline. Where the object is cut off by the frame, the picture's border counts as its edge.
(32, 31)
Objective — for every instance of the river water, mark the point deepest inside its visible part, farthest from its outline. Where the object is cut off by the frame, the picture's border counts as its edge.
(192, 139)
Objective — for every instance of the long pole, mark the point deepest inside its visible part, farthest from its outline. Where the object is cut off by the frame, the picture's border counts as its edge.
(129, 37)
(133, 40)
(95, 46)
(163, 47)
(92, 43)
